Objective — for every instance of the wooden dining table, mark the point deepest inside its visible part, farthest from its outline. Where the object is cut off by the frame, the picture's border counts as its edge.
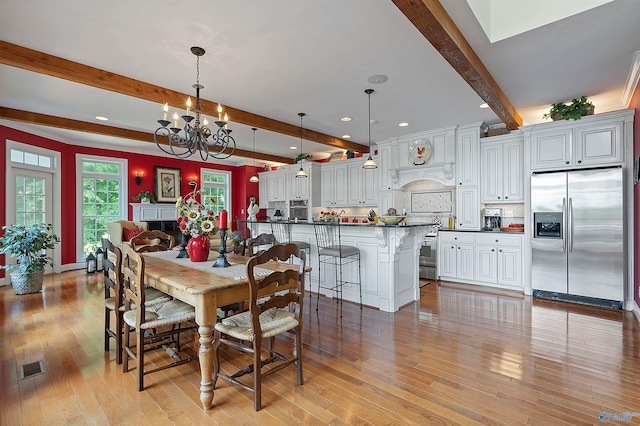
(205, 288)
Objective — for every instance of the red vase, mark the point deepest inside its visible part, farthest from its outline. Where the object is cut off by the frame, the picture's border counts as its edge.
(198, 248)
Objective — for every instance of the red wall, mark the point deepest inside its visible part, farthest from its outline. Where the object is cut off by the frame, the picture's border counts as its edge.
(239, 180)
(635, 103)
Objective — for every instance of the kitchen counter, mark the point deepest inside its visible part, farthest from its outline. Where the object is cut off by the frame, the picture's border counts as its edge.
(368, 225)
(482, 232)
(389, 256)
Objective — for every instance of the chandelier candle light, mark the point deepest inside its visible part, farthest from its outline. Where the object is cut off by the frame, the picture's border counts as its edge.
(196, 136)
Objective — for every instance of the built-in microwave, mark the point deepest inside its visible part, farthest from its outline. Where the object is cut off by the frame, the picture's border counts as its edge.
(298, 210)
(547, 224)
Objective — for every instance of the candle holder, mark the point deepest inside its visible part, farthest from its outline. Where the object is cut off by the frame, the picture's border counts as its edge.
(183, 246)
(221, 261)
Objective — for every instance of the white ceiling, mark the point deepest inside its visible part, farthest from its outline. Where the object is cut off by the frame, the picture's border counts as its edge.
(279, 57)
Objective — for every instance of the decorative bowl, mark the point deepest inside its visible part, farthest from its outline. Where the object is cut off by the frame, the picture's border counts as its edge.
(391, 220)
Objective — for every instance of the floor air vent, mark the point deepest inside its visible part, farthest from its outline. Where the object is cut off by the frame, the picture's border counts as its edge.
(583, 300)
(29, 370)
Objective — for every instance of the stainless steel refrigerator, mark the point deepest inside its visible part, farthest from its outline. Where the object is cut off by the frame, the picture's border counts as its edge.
(578, 234)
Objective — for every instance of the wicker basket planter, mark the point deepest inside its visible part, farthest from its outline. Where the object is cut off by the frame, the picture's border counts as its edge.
(590, 110)
(27, 284)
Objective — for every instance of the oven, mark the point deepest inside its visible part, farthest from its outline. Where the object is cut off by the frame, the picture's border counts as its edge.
(298, 210)
(428, 259)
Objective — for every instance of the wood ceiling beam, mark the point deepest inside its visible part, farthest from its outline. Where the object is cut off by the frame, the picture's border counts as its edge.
(435, 24)
(42, 63)
(117, 132)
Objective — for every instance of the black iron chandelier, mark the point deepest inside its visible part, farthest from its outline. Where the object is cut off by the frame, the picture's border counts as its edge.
(196, 137)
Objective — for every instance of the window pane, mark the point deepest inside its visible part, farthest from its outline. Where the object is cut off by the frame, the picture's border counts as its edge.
(30, 158)
(17, 156)
(44, 161)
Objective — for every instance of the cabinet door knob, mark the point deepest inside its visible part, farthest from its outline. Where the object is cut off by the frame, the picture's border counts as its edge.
(579, 161)
(505, 197)
(500, 251)
(498, 198)
(493, 249)
(567, 162)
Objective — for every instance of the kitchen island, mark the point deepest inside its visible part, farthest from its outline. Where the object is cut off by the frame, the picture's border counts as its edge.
(388, 255)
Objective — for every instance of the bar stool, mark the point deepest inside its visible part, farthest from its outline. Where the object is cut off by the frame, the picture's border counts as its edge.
(331, 251)
(282, 232)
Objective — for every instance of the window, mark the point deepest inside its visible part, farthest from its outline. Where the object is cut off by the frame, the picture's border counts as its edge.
(216, 191)
(102, 197)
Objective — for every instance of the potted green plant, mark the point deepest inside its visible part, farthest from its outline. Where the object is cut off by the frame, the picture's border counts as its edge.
(574, 110)
(306, 157)
(29, 244)
(145, 197)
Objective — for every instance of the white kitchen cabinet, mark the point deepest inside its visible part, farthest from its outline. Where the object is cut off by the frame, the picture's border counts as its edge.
(272, 187)
(455, 255)
(334, 185)
(502, 176)
(299, 188)
(481, 258)
(385, 164)
(467, 155)
(362, 187)
(498, 259)
(467, 208)
(591, 141)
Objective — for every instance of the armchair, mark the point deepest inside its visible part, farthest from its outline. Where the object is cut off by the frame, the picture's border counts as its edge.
(116, 230)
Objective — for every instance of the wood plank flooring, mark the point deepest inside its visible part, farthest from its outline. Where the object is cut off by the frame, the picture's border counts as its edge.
(458, 356)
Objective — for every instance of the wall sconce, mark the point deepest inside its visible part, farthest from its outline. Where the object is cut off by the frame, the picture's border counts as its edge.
(139, 176)
(193, 181)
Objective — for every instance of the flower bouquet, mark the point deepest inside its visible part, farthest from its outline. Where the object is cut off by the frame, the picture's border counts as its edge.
(328, 216)
(196, 224)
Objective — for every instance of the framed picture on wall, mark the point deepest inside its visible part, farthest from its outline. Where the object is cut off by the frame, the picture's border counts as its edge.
(167, 183)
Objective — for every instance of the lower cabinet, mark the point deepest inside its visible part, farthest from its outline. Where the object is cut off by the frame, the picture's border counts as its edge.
(481, 258)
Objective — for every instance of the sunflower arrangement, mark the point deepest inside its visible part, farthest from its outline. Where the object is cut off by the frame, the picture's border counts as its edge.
(193, 218)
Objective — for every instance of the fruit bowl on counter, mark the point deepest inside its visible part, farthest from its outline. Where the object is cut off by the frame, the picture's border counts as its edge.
(391, 220)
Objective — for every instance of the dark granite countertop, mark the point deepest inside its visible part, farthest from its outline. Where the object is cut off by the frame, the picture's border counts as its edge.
(362, 225)
(481, 231)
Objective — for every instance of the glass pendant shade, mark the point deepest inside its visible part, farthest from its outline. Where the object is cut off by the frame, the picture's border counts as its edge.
(370, 163)
(254, 178)
(301, 173)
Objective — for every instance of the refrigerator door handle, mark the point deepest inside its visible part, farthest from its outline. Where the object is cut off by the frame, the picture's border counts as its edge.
(570, 225)
(564, 230)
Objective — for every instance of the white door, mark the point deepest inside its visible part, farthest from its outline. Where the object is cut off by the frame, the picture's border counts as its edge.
(32, 199)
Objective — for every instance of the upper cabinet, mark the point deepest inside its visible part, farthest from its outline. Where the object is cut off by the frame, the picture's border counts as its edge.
(272, 187)
(501, 166)
(334, 184)
(362, 185)
(596, 140)
(347, 184)
(468, 177)
(304, 188)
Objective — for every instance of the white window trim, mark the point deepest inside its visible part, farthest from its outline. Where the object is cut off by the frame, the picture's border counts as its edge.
(57, 190)
(229, 201)
(124, 205)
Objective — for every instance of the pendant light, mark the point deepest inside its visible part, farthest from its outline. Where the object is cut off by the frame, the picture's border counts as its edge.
(254, 177)
(369, 164)
(301, 173)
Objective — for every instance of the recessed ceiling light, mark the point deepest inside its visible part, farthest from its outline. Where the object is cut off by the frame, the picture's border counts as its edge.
(404, 124)
(345, 119)
(484, 105)
(293, 147)
(346, 136)
(101, 118)
(377, 79)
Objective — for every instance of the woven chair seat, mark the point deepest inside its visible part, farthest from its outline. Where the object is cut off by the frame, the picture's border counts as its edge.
(273, 321)
(339, 251)
(171, 312)
(151, 295)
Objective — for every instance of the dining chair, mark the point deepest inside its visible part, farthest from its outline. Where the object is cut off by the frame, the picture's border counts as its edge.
(260, 243)
(272, 312)
(282, 232)
(152, 241)
(156, 326)
(332, 252)
(112, 261)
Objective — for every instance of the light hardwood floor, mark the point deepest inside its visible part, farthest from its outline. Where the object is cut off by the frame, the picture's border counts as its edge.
(458, 356)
